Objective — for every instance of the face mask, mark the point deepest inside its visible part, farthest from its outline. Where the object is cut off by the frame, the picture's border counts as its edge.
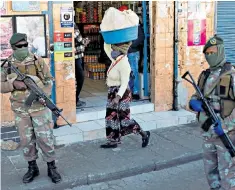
(212, 59)
(115, 54)
(216, 59)
(21, 53)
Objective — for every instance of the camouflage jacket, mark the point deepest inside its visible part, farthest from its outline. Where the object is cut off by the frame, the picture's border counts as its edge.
(228, 122)
(36, 68)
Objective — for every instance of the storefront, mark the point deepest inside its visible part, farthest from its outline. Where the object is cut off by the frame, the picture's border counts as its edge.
(88, 17)
(44, 22)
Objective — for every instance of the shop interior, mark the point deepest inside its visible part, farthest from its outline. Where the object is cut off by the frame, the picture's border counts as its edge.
(88, 17)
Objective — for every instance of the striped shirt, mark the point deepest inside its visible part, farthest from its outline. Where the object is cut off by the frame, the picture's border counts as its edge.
(79, 44)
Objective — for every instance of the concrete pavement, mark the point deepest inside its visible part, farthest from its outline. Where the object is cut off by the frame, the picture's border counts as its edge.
(190, 176)
(90, 127)
(85, 163)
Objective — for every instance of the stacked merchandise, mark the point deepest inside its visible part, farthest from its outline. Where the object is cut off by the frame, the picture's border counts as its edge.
(95, 12)
(90, 14)
(91, 58)
(83, 17)
(81, 14)
(90, 29)
(79, 17)
(92, 32)
(95, 71)
(92, 52)
(90, 11)
(100, 8)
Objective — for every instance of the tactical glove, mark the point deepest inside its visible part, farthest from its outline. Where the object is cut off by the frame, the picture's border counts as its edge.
(196, 105)
(218, 128)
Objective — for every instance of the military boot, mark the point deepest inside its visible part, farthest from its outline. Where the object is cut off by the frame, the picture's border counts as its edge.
(32, 172)
(52, 172)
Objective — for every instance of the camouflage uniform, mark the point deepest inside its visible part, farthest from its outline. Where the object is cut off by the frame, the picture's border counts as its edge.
(219, 165)
(34, 123)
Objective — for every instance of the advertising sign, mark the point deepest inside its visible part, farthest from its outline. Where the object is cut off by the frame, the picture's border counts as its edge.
(196, 29)
(66, 17)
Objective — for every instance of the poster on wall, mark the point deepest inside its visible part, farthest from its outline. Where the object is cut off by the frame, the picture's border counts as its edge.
(63, 56)
(6, 31)
(196, 24)
(2, 8)
(66, 17)
(63, 46)
(25, 6)
(196, 29)
(63, 37)
(62, 41)
(35, 28)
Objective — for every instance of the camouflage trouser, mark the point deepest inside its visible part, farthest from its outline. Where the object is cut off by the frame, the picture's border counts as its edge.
(219, 165)
(35, 128)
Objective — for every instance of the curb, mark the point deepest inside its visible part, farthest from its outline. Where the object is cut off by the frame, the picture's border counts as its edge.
(69, 182)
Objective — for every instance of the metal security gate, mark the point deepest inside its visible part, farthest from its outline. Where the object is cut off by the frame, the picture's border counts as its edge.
(226, 27)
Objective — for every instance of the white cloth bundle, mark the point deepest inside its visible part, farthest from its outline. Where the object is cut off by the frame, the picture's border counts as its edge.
(115, 19)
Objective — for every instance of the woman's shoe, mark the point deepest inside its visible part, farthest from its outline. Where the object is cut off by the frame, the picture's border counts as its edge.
(109, 145)
(145, 141)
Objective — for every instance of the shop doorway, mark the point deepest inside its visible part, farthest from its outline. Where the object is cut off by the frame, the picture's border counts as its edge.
(88, 17)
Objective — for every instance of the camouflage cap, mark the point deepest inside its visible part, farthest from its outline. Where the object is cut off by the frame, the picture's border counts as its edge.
(17, 37)
(215, 40)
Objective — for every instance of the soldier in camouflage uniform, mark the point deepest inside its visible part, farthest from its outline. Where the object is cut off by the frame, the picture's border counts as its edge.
(34, 123)
(218, 85)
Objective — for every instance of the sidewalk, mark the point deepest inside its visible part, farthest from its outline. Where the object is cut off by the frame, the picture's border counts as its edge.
(85, 163)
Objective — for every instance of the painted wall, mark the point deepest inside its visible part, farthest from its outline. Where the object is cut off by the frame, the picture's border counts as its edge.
(65, 74)
(162, 55)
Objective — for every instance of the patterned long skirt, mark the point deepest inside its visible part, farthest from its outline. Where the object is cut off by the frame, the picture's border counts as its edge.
(117, 120)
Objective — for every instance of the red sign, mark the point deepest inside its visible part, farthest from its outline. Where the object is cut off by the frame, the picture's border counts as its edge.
(62, 37)
(196, 29)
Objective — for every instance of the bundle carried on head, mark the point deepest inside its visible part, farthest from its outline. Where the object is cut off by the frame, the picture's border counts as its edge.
(119, 26)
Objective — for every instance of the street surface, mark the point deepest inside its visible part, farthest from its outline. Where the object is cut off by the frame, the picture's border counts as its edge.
(184, 177)
(85, 163)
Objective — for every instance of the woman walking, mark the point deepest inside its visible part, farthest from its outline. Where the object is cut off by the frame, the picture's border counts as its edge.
(117, 120)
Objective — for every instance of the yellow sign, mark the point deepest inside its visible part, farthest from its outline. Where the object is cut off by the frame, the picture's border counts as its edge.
(63, 56)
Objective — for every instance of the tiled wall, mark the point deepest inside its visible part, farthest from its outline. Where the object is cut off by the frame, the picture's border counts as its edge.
(162, 55)
(65, 89)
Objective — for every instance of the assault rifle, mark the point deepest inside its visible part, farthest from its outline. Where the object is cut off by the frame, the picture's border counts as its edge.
(36, 92)
(213, 119)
